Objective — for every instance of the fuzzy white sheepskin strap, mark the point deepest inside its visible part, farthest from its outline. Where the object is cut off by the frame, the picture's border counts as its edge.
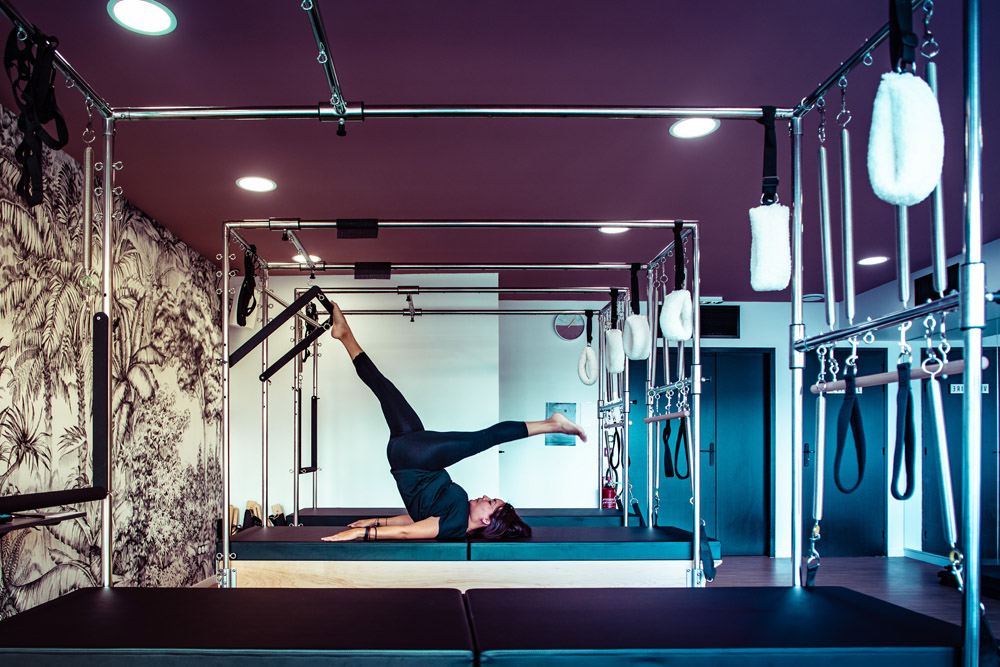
(614, 351)
(587, 366)
(770, 248)
(636, 338)
(676, 316)
(906, 144)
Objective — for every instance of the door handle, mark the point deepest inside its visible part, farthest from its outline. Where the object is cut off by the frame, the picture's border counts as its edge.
(711, 453)
(805, 458)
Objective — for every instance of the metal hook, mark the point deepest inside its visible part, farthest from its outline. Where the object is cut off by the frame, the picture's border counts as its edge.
(307, 5)
(904, 348)
(322, 58)
(22, 34)
(852, 361)
(867, 60)
(821, 106)
(929, 47)
(844, 117)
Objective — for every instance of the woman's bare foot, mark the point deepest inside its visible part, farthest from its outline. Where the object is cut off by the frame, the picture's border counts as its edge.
(564, 425)
(340, 328)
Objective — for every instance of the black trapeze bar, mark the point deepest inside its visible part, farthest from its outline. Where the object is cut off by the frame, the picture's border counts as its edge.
(288, 313)
(306, 341)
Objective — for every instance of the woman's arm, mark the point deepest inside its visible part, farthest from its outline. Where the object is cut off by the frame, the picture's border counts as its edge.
(426, 529)
(401, 520)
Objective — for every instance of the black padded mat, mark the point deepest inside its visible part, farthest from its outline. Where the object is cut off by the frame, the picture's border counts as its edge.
(713, 618)
(263, 618)
(305, 543)
(591, 543)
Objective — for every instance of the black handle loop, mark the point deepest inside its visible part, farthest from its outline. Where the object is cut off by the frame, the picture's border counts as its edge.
(769, 187)
(590, 326)
(247, 302)
(680, 447)
(905, 436)
(668, 466)
(902, 39)
(850, 415)
(634, 291)
(614, 307)
(680, 272)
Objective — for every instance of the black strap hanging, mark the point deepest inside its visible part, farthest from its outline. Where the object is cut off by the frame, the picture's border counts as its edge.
(905, 438)
(680, 272)
(247, 302)
(707, 562)
(590, 326)
(668, 466)
(614, 307)
(680, 447)
(769, 189)
(313, 313)
(902, 39)
(850, 415)
(32, 78)
(634, 288)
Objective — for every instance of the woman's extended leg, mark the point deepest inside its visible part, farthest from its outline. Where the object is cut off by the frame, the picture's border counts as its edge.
(400, 417)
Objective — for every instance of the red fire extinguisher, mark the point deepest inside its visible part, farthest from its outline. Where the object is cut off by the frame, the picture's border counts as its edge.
(608, 497)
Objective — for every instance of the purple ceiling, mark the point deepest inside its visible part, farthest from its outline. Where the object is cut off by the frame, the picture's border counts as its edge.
(568, 52)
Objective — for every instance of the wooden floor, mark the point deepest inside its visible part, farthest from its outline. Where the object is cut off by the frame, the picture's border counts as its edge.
(903, 581)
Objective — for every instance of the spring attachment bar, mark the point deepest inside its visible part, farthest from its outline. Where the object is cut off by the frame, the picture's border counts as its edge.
(844, 117)
(929, 47)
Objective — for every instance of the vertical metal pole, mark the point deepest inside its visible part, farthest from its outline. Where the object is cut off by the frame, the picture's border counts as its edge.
(227, 528)
(973, 288)
(652, 444)
(903, 254)
(624, 380)
(296, 434)
(847, 213)
(695, 419)
(797, 360)
(264, 363)
(107, 305)
(315, 365)
(88, 207)
(938, 253)
(826, 237)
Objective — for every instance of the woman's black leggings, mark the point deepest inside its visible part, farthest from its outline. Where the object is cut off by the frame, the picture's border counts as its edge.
(410, 446)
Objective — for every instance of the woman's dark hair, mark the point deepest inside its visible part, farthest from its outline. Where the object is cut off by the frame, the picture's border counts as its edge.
(505, 522)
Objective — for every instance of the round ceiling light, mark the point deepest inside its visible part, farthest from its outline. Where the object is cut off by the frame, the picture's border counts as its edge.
(613, 230)
(874, 260)
(256, 183)
(300, 259)
(146, 17)
(691, 128)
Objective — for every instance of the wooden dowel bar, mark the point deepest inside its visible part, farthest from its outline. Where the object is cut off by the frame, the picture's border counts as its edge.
(667, 417)
(951, 368)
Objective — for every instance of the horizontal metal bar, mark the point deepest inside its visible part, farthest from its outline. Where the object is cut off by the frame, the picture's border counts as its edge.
(667, 417)
(609, 406)
(258, 223)
(680, 384)
(325, 266)
(60, 63)
(956, 367)
(949, 302)
(416, 289)
(846, 66)
(358, 111)
(468, 311)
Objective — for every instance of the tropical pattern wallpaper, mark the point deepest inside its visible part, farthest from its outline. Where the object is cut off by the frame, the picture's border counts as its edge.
(166, 390)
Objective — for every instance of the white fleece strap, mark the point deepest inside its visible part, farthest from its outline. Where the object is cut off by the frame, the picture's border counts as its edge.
(906, 143)
(770, 248)
(587, 366)
(636, 338)
(676, 316)
(614, 351)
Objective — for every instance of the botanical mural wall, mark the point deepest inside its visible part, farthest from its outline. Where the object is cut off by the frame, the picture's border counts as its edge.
(166, 390)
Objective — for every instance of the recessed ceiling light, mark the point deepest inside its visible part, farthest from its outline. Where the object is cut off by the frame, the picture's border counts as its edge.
(872, 261)
(690, 128)
(146, 17)
(256, 183)
(300, 259)
(613, 230)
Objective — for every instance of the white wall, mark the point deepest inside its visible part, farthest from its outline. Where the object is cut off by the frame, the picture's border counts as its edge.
(446, 367)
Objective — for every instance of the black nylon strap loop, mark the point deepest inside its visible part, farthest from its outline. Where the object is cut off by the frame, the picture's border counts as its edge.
(905, 435)
(850, 415)
(680, 447)
(614, 307)
(902, 39)
(769, 187)
(680, 274)
(590, 326)
(634, 292)
(668, 466)
(247, 302)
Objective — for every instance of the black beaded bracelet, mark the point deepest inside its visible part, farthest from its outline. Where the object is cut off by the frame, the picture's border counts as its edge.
(368, 530)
